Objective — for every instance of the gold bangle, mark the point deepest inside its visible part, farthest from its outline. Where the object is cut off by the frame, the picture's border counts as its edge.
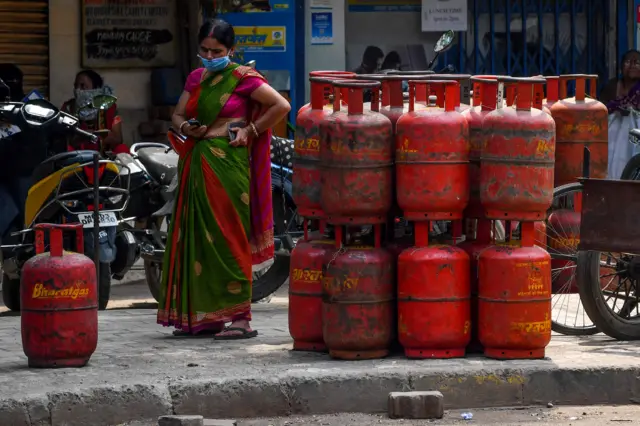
(255, 130)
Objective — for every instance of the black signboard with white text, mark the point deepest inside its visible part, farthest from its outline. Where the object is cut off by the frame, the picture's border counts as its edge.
(128, 33)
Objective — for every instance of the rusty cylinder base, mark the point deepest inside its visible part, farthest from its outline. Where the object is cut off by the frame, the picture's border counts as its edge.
(299, 345)
(359, 355)
(58, 363)
(434, 353)
(513, 354)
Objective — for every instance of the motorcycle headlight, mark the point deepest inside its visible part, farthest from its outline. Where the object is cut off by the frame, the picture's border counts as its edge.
(115, 199)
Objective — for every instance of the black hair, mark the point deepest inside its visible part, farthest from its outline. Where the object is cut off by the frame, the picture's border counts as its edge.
(371, 55)
(391, 60)
(220, 30)
(96, 79)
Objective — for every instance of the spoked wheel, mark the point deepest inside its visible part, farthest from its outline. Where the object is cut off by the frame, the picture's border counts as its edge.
(569, 316)
(608, 284)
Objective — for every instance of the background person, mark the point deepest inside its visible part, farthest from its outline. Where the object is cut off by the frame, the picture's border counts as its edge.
(86, 86)
(622, 97)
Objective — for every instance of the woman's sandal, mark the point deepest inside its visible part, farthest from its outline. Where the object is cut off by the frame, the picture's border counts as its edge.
(244, 334)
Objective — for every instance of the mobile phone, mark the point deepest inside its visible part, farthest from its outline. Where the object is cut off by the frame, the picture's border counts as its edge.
(235, 124)
(194, 122)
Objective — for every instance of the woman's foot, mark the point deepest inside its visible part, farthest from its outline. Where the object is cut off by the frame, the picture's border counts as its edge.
(237, 330)
(206, 332)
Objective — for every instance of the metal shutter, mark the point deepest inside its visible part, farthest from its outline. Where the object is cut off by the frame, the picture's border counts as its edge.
(24, 41)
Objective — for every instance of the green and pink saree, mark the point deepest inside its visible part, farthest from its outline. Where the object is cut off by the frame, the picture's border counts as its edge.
(222, 225)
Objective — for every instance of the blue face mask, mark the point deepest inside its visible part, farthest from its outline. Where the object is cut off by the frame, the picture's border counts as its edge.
(215, 64)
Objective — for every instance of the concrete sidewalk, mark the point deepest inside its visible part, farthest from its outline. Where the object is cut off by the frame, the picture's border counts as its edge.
(140, 371)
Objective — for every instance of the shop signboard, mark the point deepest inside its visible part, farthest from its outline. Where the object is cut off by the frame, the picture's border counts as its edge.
(261, 39)
(118, 34)
(443, 15)
(384, 5)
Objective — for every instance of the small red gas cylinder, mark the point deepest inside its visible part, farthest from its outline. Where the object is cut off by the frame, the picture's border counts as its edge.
(305, 294)
(434, 313)
(514, 301)
(580, 122)
(485, 97)
(358, 308)
(516, 168)
(326, 88)
(473, 248)
(432, 158)
(59, 302)
(356, 156)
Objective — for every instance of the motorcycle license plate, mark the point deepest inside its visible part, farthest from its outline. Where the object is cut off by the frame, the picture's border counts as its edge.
(107, 219)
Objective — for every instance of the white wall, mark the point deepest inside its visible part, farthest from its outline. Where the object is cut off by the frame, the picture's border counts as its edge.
(132, 87)
(326, 57)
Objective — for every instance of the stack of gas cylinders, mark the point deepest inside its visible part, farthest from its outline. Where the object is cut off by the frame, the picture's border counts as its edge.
(358, 289)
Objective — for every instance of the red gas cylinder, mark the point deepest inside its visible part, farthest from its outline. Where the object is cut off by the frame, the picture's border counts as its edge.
(464, 99)
(514, 301)
(516, 173)
(327, 75)
(356, 156)
(59, 301)
(393, 105)
(485, 97)
(305, 294)
(434, 313)
(553, 91)
(580, 122)
(306, 156)
(473, 248)
(358, 308)
(432, 158)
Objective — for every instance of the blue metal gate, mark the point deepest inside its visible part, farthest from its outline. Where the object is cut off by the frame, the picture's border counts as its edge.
(533, 37)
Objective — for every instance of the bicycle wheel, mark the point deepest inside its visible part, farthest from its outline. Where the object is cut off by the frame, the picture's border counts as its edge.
(568, 316)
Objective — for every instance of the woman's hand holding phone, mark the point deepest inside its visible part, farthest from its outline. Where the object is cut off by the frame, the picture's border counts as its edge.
(193, 129)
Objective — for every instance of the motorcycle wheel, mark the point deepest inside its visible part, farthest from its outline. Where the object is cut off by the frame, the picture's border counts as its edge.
(632, 169)
(104, 286)
(153, 275)
(617, 318)
(11, 293)
(269, 280)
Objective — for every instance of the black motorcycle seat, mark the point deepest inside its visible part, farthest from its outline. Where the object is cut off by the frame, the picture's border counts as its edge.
(161, 165)
(282, 152)
(60, 161)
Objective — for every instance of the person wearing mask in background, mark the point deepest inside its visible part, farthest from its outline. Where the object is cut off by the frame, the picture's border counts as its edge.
(222, 226)
(87, 85)
(371, 60)
(391, 62)
(622, 97)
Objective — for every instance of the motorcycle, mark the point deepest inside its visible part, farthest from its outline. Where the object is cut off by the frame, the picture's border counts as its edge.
(64, 191)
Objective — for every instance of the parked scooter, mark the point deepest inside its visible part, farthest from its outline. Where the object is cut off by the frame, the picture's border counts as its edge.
(632, 169)
(63, 192)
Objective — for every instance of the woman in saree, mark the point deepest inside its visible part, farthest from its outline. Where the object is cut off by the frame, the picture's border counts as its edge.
(622, 97)
(222, 225)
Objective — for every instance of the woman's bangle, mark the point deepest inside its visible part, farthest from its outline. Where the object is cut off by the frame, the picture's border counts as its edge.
(254, 129)
(182, 126)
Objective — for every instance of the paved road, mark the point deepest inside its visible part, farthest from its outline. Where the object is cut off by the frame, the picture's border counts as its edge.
(577, 416)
